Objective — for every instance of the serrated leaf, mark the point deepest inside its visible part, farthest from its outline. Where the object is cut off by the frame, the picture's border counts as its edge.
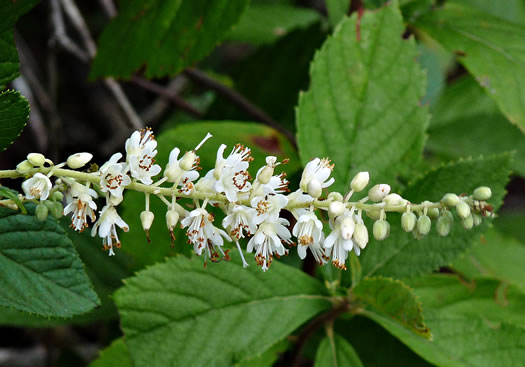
(179, 313)
(511, 10)
(278, 87)
(362, 109)
(497, 255)
(165, 36)
(261, 139)
(489, 47)
(467, 121)
(337, 9)
(115, 355)
(266, 359)
(8, 58)
(491, 299)
(265, 23)
(335, 351)
(40, 270)
(392, 299)
(14, 112)
(462, 341)
(400, 255)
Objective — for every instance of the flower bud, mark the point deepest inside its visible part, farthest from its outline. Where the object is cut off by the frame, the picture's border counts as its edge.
(56, 209)
(477, 219)
(450, 200)
(41, 212)
(468, 222)
(360, 181)
(172, 217)
(381, 229)
(423, 225)
(335, 196)
(433, 213)
(114, 200)
(265, 175)
(408, 221)
(24, 167)
(394, 200)
(57, 196)
(78, 160)
(482, 193)
(361, 235)
(336, 208)
(347, 227)
(378, 192)
(314, 189)
(463, 209)
(188, 160)
(146, 218)
(36, 159)
(373, 214)
(444, 225)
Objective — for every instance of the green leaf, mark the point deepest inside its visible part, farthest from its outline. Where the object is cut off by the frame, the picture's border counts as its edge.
(261, 139)
(489, 47)
(266, 359)
(165, 36)
(179, 313)
(335, 351)
(13, 195)
(278, 87)
(265, 23)
(498, 256)
(337, 9)
(362, 109)
(467, 121)
(462, 341)
(392, 299)
(10, 11)
(8, 58)
(403, 256)
(116, 355)
(511, 223)
(511, 10)
(14, 112)
(40, 270)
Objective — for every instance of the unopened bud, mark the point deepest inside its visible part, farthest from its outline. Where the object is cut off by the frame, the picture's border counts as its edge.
(450, 200)
(482, 193)
(56, 209)
(57, 196)
(114, 200)
(381, 229)
(468, 222)
(408, 221)
(78, 160)
(433, 213)
(463, 209)
(146, 218)
(477, 219)
(24, 167)
(314, 189)
(265, 174)
(360, 181)
(172, 217)
(36, 159)
(444, 225)
(378, 192)
(41, 212)
(361, 235)
(336, 208)
(423, 225)
(373, 214)
(347, 227)
(188, 160)
(335, 196)
(394, 200)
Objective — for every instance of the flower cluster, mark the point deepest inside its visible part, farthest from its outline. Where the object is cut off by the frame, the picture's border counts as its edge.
(254, 209)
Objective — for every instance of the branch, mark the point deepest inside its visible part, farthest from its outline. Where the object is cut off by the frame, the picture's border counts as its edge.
(239, 100)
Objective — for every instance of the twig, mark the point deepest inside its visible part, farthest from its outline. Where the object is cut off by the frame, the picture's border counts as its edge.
(160, 105)
(78, 22)
(60, 34)
(239, 100)
(167, 94)
(109, 8)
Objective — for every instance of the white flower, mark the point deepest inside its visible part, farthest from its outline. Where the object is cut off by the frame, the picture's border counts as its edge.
(113, 177)
(78, 160)
(204, 235)
(298, 197)
(141, 152)
(266, 183)
(340, 239)
(268, 207)
(315, 176)
(174, 172)
(240, 219)
(37, 187)
(80, 202)
(231, 174)
(309, 233)
(107, 229)
(268, 241)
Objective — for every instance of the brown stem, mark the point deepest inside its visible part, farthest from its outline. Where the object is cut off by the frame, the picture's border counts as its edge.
(239, 100)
